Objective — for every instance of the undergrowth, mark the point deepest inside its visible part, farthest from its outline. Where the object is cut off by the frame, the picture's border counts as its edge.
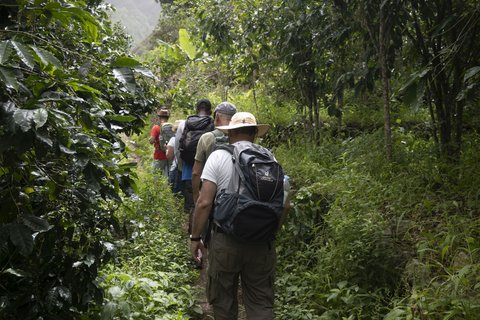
(152, 277)
(371, 240)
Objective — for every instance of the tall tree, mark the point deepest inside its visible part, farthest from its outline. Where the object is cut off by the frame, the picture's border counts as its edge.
(448, 56)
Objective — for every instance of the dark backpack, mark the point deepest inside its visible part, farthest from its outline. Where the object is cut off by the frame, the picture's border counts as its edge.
(195, 126)
(166, 133)
(253, 212)
(220, 140)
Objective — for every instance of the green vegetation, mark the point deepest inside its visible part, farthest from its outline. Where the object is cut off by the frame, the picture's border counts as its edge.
(152, 277)
(374, 114)
(399, 240)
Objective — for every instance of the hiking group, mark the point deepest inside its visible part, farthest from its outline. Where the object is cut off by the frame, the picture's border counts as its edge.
(236, 195)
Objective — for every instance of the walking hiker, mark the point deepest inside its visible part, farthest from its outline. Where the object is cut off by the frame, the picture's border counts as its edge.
(206, 144)
(246, 215)
(194, 127)
(174, 178)
(160, 141)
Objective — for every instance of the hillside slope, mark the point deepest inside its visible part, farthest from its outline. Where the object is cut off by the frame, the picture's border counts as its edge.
(138, 17)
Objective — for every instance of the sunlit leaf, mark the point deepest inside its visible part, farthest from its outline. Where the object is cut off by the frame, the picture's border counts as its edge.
(24, 53)
(83, 88)
(125, 76)
(8, 78)
(125, 62)
(47, 58)
(146, 72)
(40, 117)
(4, 51)
(23, 118)
(186, 44)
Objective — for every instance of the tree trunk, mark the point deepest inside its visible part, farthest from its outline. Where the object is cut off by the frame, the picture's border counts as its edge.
(382, 52)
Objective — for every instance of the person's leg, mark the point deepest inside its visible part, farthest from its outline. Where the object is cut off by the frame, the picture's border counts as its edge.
(188, 204)
(178, 184)
(171, 179)
(188, 195)
(223, 273)
(156, 166)
(164, 165)
(258, 277)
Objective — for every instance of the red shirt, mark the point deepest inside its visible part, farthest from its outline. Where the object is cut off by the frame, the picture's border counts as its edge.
(158, 154)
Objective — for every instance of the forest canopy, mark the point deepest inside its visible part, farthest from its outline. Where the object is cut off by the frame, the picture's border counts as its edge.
(374, 109)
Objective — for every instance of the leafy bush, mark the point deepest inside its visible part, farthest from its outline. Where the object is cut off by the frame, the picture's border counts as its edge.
(65, 98)
(152, 276)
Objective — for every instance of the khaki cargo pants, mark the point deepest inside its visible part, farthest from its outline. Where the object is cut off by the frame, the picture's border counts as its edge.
(254, 264)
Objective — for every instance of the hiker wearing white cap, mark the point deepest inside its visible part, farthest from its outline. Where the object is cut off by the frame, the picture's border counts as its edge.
(245, 251)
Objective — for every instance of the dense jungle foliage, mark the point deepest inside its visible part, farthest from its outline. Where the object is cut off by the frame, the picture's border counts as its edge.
(374, 107)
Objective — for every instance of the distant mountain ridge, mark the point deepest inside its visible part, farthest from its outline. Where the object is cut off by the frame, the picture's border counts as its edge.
(139, 17)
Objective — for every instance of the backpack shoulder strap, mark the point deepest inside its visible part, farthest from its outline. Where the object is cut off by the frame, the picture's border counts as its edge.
(217, 133)
(230, 148)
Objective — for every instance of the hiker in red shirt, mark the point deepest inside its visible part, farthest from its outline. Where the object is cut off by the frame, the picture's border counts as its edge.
(160, 161)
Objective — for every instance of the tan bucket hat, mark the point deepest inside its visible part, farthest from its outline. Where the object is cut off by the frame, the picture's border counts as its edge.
(244, 119)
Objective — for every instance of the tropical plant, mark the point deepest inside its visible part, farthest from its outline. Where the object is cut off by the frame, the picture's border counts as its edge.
(68, 90)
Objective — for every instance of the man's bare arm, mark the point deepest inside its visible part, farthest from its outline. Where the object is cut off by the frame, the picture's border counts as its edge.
(196, 173)
(202, 210)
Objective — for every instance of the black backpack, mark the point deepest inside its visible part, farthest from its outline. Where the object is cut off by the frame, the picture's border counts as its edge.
(253, 212)
(195, 126)
(220, 140)
(166, 133)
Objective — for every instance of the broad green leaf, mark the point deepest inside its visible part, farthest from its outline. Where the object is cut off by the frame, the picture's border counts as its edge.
(109, 310)
(91, 31)
(4, 51)
(125, 76)
(40, 117)
(146, 72)
(471, 72)
(47, 58)
(83, 87)
(125, 62)
(59, 96)
(22, 238)
(186, 44)
(8, 78)
(121, 118)
(24, 53)
(23, 118)
(395, 314)
(35, 223)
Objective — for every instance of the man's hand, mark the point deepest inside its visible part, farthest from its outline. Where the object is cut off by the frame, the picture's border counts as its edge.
(197, 248)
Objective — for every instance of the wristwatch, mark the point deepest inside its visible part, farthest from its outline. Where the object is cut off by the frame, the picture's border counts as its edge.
(195, 238)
